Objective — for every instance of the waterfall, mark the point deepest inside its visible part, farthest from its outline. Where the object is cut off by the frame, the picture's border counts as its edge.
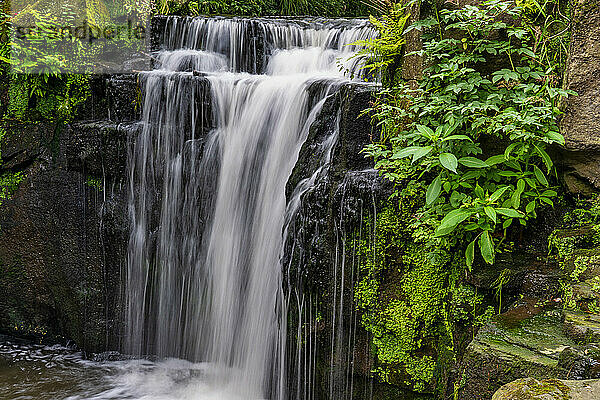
(225, 115)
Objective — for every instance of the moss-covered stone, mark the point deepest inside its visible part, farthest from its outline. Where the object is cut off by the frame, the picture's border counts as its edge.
(583, 328)
(532, 389)
(549, 389)
(500, 354)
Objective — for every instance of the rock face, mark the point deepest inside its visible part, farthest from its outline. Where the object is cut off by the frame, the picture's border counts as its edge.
(64, 231)
(549, 389)
(580, 125)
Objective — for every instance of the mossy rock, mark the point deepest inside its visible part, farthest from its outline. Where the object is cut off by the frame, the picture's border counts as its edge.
(549, 389)
(501, 353)
(532, 389)
(583, 328)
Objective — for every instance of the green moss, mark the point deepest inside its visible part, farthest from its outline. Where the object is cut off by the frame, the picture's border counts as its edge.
(575, 246)
(402, 294)
(9, 181)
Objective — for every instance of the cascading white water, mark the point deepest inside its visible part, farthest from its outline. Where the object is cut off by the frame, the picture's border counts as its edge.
(207, 200)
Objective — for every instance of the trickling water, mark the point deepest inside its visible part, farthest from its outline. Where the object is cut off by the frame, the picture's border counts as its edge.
(207, 200)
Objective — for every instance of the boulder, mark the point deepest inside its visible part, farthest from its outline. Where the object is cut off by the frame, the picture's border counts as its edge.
(549, 389)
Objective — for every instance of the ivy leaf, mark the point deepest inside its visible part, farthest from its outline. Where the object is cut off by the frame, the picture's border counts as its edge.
(451, 221)
(473, 162)
(510, 213)
(486, 244)
(490, 212)
(421, 152)
(470, 254)
(449, 161)
(540, 176)
(433, 191)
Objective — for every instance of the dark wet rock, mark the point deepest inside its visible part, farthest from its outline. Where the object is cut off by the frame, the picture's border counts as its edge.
(56, 277)
(124, 97)
(98, 148)
(549, 389)
(528, 274)
(23, 143)
(581, 363)
(64, 232)
(113, 97)
(580, 125)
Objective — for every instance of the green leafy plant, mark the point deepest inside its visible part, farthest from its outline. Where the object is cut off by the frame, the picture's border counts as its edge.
(381, 56)
(477, 128)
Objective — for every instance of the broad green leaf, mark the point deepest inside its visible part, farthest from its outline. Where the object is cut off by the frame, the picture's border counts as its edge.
(508, 173)
(433, 191)
(556, 137)
(547, 201)
(406, 152)
(520, 185)
(449, 161)
(531, 182)
(510, 213)
(545, 157)
(479, 192)
(470, 253)
(530, 207)
(516, 199)
(495, 160)
(456, 198)
(451, 221)
(507, 223)
(473, 162)
(486, 244)
(549, 193)
(490, 212)
(425, 131)
(540, 176)
(421, 152)
(498, 193)
(509, 149)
